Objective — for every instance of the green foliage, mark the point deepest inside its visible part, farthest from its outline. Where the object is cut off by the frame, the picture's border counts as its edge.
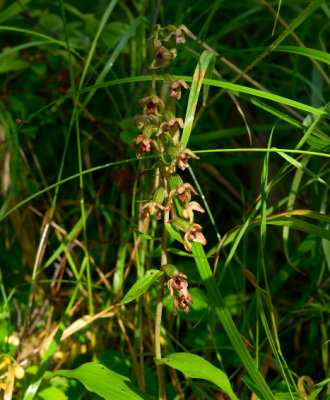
(105, 383)
(196, 367)
(82, 267)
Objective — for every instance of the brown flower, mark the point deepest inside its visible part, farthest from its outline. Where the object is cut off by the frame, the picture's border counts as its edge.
(193, 233)
(151, 207)
(175, 87)
(184, 192)
(144, 144)
(172, 126)
(178, 287)
(141, 121)
(177, 32)
(178, 283)
(152, 104)
(188, 211)
(161, 55)
(183, 158)
(183, 303)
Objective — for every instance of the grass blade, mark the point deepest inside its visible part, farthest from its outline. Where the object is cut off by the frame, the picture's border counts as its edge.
(198, 76)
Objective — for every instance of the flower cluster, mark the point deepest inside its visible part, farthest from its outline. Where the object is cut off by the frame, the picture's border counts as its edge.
(160, 132)
(178, 286)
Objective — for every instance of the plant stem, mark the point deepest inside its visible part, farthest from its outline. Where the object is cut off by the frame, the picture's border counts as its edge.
(159, 306)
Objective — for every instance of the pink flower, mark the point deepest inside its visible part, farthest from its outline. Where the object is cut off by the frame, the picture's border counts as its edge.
(175, 87)
(178, 286)
(178, 283)
(151, 104)
(144, 144)
(183, 158)
(193, 233)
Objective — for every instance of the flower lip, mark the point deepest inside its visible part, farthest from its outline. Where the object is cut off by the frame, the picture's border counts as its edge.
(182, 302)
(194, 233)
(144, 144)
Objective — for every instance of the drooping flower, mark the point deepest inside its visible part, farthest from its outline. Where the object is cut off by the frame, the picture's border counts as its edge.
(182, 302)
(171, 126)
(175, 87)
(144, 144)
(194, 233)
(188, 211)
(178, 287)
(151, 207)
(152, 104)
(184, 192)
(140, 121)
(177, 32)
(183, 158)
(161, 55)
(178, 282)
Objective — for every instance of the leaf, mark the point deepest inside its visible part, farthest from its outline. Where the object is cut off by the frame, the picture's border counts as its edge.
(104, 382)
(266, 95)
(199, 74)
(52, 21)
(196, 367)
(142, 285)
(52, 393)
(143, 235)
(304, 51)
(11, 63)
(11, 11)
(173, 233)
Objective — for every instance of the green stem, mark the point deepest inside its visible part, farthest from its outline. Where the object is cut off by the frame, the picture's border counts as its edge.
(159, 306)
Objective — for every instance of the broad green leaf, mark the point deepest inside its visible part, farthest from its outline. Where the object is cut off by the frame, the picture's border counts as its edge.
(53, 22)
(104, 382)
(142, 285)
(196, 367)
(52, 393)
(11, 63)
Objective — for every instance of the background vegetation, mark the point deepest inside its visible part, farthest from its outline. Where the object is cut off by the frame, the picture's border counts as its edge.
(72, 187)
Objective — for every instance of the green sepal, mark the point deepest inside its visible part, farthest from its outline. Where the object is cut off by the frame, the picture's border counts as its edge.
(159, 195)
(168, 115)
(148, 130)
(173, 152)
(176, 180)
(170, 270)
(180, 224)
